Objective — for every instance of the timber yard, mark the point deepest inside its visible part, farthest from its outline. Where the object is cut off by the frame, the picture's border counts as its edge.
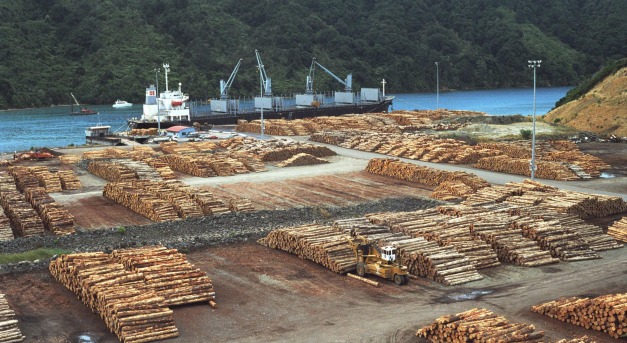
(248, 240)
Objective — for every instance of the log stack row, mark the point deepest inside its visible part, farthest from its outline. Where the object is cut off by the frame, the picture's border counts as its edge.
(273, 150)
(168, 273)
(111, 171)
(6, 234)
(24, 220)
(479, 325)
(423, 175)
(9, 331)
(164, 200)
(607, 313)
(56, 218)
(519, 166)
(50, 181)
(23, 178)
(153, 131)
(618, 230)
(319, 243)
(241, 205)
(107, 153)
(132, 194)
(302, 159)
(130, 309)
(69, 159)
(69, 180)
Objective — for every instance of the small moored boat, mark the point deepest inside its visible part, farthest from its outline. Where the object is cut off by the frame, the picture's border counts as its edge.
(121, 104)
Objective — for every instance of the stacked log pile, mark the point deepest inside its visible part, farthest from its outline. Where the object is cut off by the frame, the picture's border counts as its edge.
(6, 234)
(9, 331)
(189, 165)
(273, 150)
(7, 183)
(561, 242)
(444, 230)
(546, 169)
(307, 126)
(478, 325)
(249, 161)
(142, 170)
(50, 181)
(153, 131)
(131, 310)
(162, 167)
(184, 205)
(203, 146)
(452, 191)
(111, 171)
(169, 274)
(423, 175)
(23, 178)
(56, 218)
(301, 159)
(319, 243)
(69, 159)
(582, 339)
(176, 149)
(618, 230)
(24, 220)
(591, 234)
(607, 313)
(134, 196)
(241, 205)
(69, 180)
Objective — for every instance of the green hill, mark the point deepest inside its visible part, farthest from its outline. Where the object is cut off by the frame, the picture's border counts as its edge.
(102, 50)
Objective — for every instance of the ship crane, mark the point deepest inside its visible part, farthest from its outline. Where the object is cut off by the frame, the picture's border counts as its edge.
(267, 82)
(225, 86)
(348, 83)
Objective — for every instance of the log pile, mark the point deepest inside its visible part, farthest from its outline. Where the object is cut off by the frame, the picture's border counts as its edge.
(607, 313)
(169, 274)
(153, 131)
(319, 243)
(561, 242)
(301, 159)
(131, 310)
(519, 166)
(241, 205)
(6, 234)
(69, 180)
(7, 183)
(111, 171)
(452, 191)
(593, 235)
(134, 196)
(23, 178)
(142, 170)
(189, 165)
(24, 220)
(184, 205)
(478, 325)
(273, 150)
(9, 331)
(50, 181)
(251, 162)
(307, 126)
(56, 218)
(618, 230)
(582, 339)
(176, 149)
(423, 175)
(69, 159)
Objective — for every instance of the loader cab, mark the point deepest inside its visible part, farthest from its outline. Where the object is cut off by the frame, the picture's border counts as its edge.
(388, 253)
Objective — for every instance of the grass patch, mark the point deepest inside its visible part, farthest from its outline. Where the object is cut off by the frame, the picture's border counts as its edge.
(31, 255)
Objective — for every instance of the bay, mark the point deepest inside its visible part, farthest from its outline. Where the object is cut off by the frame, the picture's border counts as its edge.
(55, 127)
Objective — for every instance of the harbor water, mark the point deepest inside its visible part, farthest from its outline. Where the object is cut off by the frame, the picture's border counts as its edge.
(55, 127)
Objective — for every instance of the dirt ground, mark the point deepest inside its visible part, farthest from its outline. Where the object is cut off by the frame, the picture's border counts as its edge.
(266, 295)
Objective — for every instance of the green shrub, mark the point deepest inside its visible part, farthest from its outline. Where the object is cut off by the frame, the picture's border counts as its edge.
(525, 134)
(557, 120)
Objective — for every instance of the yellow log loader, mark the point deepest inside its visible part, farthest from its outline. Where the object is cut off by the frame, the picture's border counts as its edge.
(382, 261)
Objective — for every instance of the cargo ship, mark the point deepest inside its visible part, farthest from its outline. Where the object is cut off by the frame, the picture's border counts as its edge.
(172, 107)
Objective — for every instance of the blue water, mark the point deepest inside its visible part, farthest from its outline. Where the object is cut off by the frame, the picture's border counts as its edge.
(55, 127)
(494, 101)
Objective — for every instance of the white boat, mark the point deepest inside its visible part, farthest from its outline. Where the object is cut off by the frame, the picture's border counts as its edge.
(121, 104)
(169, 106)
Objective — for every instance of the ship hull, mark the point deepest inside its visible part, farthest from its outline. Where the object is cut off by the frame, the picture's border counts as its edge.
(289, 114)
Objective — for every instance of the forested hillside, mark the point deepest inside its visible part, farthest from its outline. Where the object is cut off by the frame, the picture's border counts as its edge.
(103, 50)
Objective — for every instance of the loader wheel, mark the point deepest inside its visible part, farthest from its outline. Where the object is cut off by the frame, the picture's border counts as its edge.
(405, 279)
(361, 269)
(399, 279)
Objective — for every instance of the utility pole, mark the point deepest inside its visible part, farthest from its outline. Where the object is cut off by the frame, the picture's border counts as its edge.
(437, 78)
(533, 64)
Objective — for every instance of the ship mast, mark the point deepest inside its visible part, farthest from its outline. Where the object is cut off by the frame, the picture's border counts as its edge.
(166, 67)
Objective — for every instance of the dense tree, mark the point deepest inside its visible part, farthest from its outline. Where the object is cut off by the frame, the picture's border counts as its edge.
(108, 49)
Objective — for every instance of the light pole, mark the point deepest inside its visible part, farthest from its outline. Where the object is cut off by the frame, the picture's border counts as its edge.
(261, 86)
(533, 64)
(437, 83)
